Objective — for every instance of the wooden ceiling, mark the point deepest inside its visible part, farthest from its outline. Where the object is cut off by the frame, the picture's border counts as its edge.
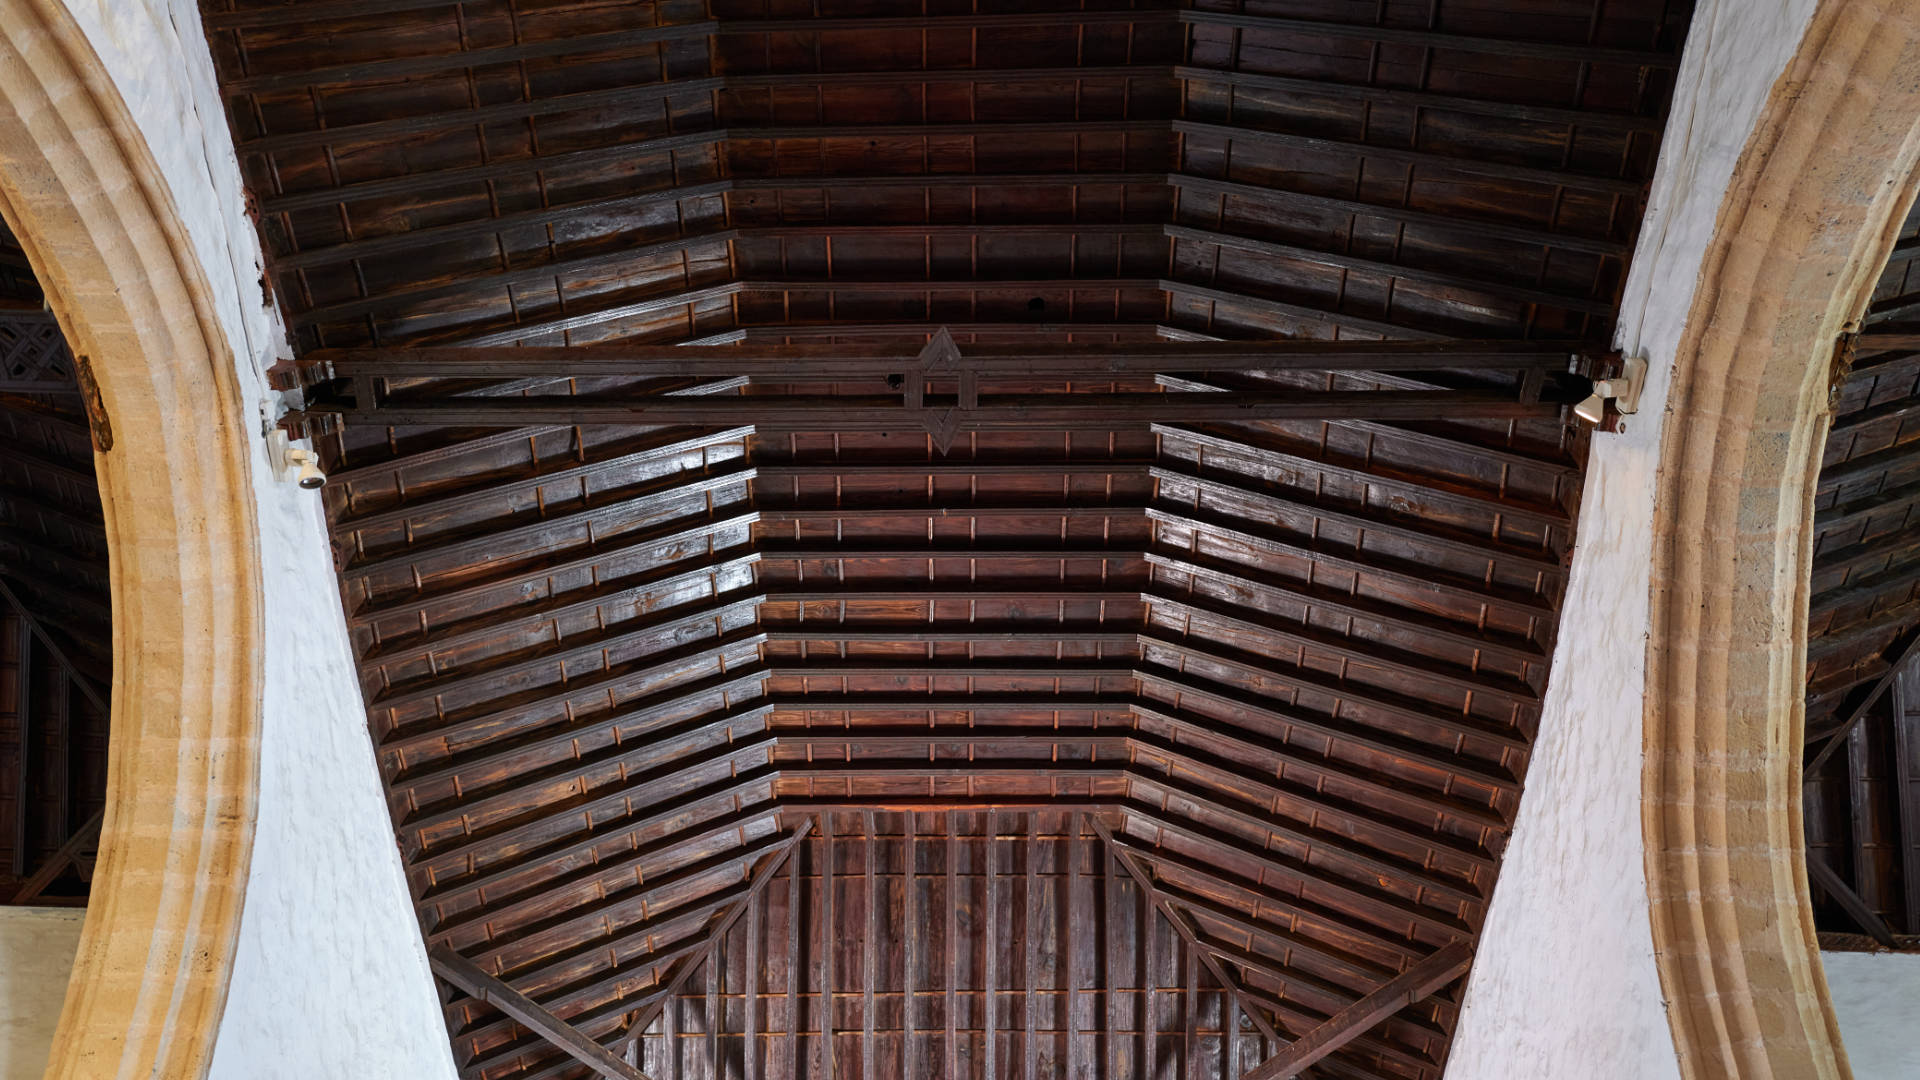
(1044, 632)
(1862, 789)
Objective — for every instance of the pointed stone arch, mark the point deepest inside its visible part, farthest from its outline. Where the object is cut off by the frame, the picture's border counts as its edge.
(1813, 208)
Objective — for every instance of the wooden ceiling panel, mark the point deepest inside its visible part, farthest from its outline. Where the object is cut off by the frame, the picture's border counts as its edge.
(882, 688)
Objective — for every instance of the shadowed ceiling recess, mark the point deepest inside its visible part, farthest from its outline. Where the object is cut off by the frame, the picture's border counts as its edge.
(1084, 613)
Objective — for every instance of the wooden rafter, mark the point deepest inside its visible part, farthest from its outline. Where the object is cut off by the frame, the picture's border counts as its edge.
(759, 879)
(477, 984)
(1411, 986)
(1183, 924)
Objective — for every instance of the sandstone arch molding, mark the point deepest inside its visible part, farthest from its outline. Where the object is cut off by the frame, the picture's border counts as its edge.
(81, 189)
(1813, 209)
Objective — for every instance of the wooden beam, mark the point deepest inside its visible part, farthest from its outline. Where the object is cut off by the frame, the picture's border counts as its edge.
(1896, 662)
(1413, 985)
(463, 974)
(1431, 39)
(843, 362)
(71, 853)
(1906, 779)
(23, 733)
(1129, 862)
(93, 694)
(1850, 902)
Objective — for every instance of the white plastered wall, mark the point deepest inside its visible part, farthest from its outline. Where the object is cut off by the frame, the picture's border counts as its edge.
(330, 975)
(1564, 983)
(37, 947)
(1875, 997)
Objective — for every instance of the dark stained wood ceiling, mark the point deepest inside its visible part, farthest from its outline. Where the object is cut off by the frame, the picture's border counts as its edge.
(732, 725)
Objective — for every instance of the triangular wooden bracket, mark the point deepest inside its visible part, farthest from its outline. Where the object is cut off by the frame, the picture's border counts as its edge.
(940, 353)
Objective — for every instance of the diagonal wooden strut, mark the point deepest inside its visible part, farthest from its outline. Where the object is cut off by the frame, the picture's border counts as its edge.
(466, 976)
(72, 853)
(1130, 863)
(1850, 901)
(1907, 650)
(693, 963)
(1418, 982)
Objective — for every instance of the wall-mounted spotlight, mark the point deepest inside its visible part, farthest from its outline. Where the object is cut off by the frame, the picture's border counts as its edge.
(1622, 389)
(292, 462)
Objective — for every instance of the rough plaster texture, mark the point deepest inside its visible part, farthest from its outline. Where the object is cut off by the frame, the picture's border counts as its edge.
(330, 975)
(1874, 995)
(36, 954)
(1564, 984)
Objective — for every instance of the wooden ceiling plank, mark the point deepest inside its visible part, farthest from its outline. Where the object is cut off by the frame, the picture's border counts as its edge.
(981, 742)
(1402, 271)
(466, 116)
(604, 878)
(542, 473)
(1240, 621)
(1355, 605)
(368, 71)
(1247, 446)
(1888, 500)
(1395, 911)
(1433, 39)
(1180, 924)
(1250, 489)
(1387, 328)
(478, 984)
(1447, 223)
(1365, 151)
(671, 534)
(1351, 560)
(972, 21)
(1299, 907)
(1301, 677)
(1364, 867)
(1286, 940)
(657, 771)
(664, 489)
(564, 650)
(1417, 983)
(408, 185)
(1598, 119)
(740, 809)
(425, 236)
(1198, 762)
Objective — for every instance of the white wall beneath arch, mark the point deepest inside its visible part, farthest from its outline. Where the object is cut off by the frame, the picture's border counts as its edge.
(330, 976)
(1874, 997)
(1564, 983)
